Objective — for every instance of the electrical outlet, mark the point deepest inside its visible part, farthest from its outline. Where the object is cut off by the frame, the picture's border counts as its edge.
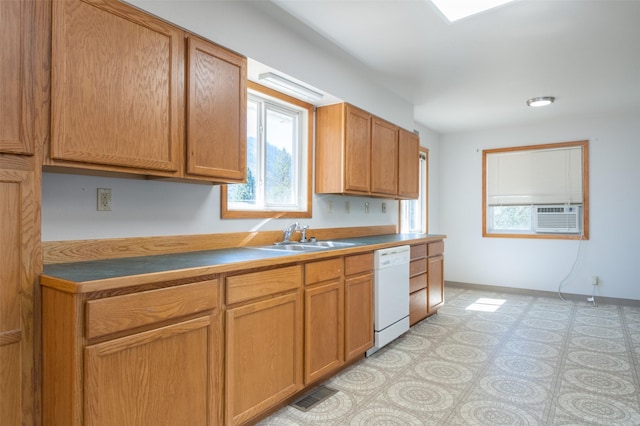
(104, 199)
(330, 206)
(384, 207)
(347, 207)
(594, 280)
(366, 207)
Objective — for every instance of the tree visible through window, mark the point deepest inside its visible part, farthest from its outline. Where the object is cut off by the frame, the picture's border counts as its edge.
(277, 161)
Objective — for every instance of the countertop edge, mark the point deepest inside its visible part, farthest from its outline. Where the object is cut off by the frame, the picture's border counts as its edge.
(68, 286)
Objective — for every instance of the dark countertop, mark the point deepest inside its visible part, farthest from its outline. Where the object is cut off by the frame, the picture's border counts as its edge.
(160, 267)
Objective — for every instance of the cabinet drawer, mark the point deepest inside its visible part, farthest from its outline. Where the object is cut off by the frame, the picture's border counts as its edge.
(119, 313)
(315, 272)
(418, 251)
(436, 248)
(263, 283)
(417, 283)
(418, 267)
(358, 264)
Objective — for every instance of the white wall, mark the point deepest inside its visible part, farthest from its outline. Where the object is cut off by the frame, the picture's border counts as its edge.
(262, 31)
(612, 250)
(153, 208)
(150, 208)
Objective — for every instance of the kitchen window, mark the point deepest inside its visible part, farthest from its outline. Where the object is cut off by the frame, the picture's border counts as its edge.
(538, 191)
(278, 159)
(413, 213)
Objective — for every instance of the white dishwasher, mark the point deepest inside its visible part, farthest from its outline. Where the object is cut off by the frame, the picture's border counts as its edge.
(391, 295)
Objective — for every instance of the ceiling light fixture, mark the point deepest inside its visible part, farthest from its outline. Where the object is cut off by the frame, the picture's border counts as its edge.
(458, 9)
(289, 86)
(541, 101)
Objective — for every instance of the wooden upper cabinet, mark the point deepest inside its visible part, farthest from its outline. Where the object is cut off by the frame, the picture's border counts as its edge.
(216, 111)
(384, 157)
(343, 150)
(408, 164)
(117, 93)
(357, 151)
(119, 81)
(360, 154)
(15, 75)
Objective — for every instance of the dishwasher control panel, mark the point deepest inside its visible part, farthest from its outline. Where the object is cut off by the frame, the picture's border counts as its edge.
(385, 258)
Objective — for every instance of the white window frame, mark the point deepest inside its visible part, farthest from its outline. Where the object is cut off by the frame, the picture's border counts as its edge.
(301, 157)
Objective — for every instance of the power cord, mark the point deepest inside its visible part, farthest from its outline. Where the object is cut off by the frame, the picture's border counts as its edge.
(573, 267)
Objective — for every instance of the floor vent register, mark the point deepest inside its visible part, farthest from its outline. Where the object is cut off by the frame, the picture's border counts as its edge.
(311, 399)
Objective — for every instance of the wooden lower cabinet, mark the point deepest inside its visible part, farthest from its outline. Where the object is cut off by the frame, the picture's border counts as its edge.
(323, 318)
(263, 343)
(324, 329)
(426, 285)
(435, 275)
(418, 294)
(358, 303)
(338, 313)
(204, 351)
(162, 376)
(436, 282)
(142, 358)
(418, 306)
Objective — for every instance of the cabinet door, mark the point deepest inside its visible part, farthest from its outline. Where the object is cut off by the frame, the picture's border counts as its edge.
(19, 236)
(358, 315)
(409, 164)
(435, 280)
(323, 329)
(15, 27)
(117, 87)
(357, 150)
(384, 157)
(216, 112)
(263, 355)
(417, 306)
(162, 376)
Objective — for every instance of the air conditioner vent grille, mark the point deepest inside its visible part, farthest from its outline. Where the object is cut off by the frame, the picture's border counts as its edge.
(557, 219)
(550, 209)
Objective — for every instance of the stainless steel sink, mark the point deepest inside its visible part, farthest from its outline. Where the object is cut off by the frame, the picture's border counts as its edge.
(309, 246)
(329, 244)
(291, 247)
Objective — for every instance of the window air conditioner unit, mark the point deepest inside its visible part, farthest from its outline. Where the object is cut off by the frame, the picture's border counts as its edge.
(557, 219)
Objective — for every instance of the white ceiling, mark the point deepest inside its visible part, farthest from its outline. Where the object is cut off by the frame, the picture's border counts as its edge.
(478, 72)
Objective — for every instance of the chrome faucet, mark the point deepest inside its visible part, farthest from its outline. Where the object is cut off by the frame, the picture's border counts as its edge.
(303, 237)
(288, 232)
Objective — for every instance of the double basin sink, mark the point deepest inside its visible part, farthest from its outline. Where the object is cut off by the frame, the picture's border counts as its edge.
(308, 246)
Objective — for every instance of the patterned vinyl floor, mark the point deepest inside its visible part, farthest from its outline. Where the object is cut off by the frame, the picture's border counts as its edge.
(532, 361)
